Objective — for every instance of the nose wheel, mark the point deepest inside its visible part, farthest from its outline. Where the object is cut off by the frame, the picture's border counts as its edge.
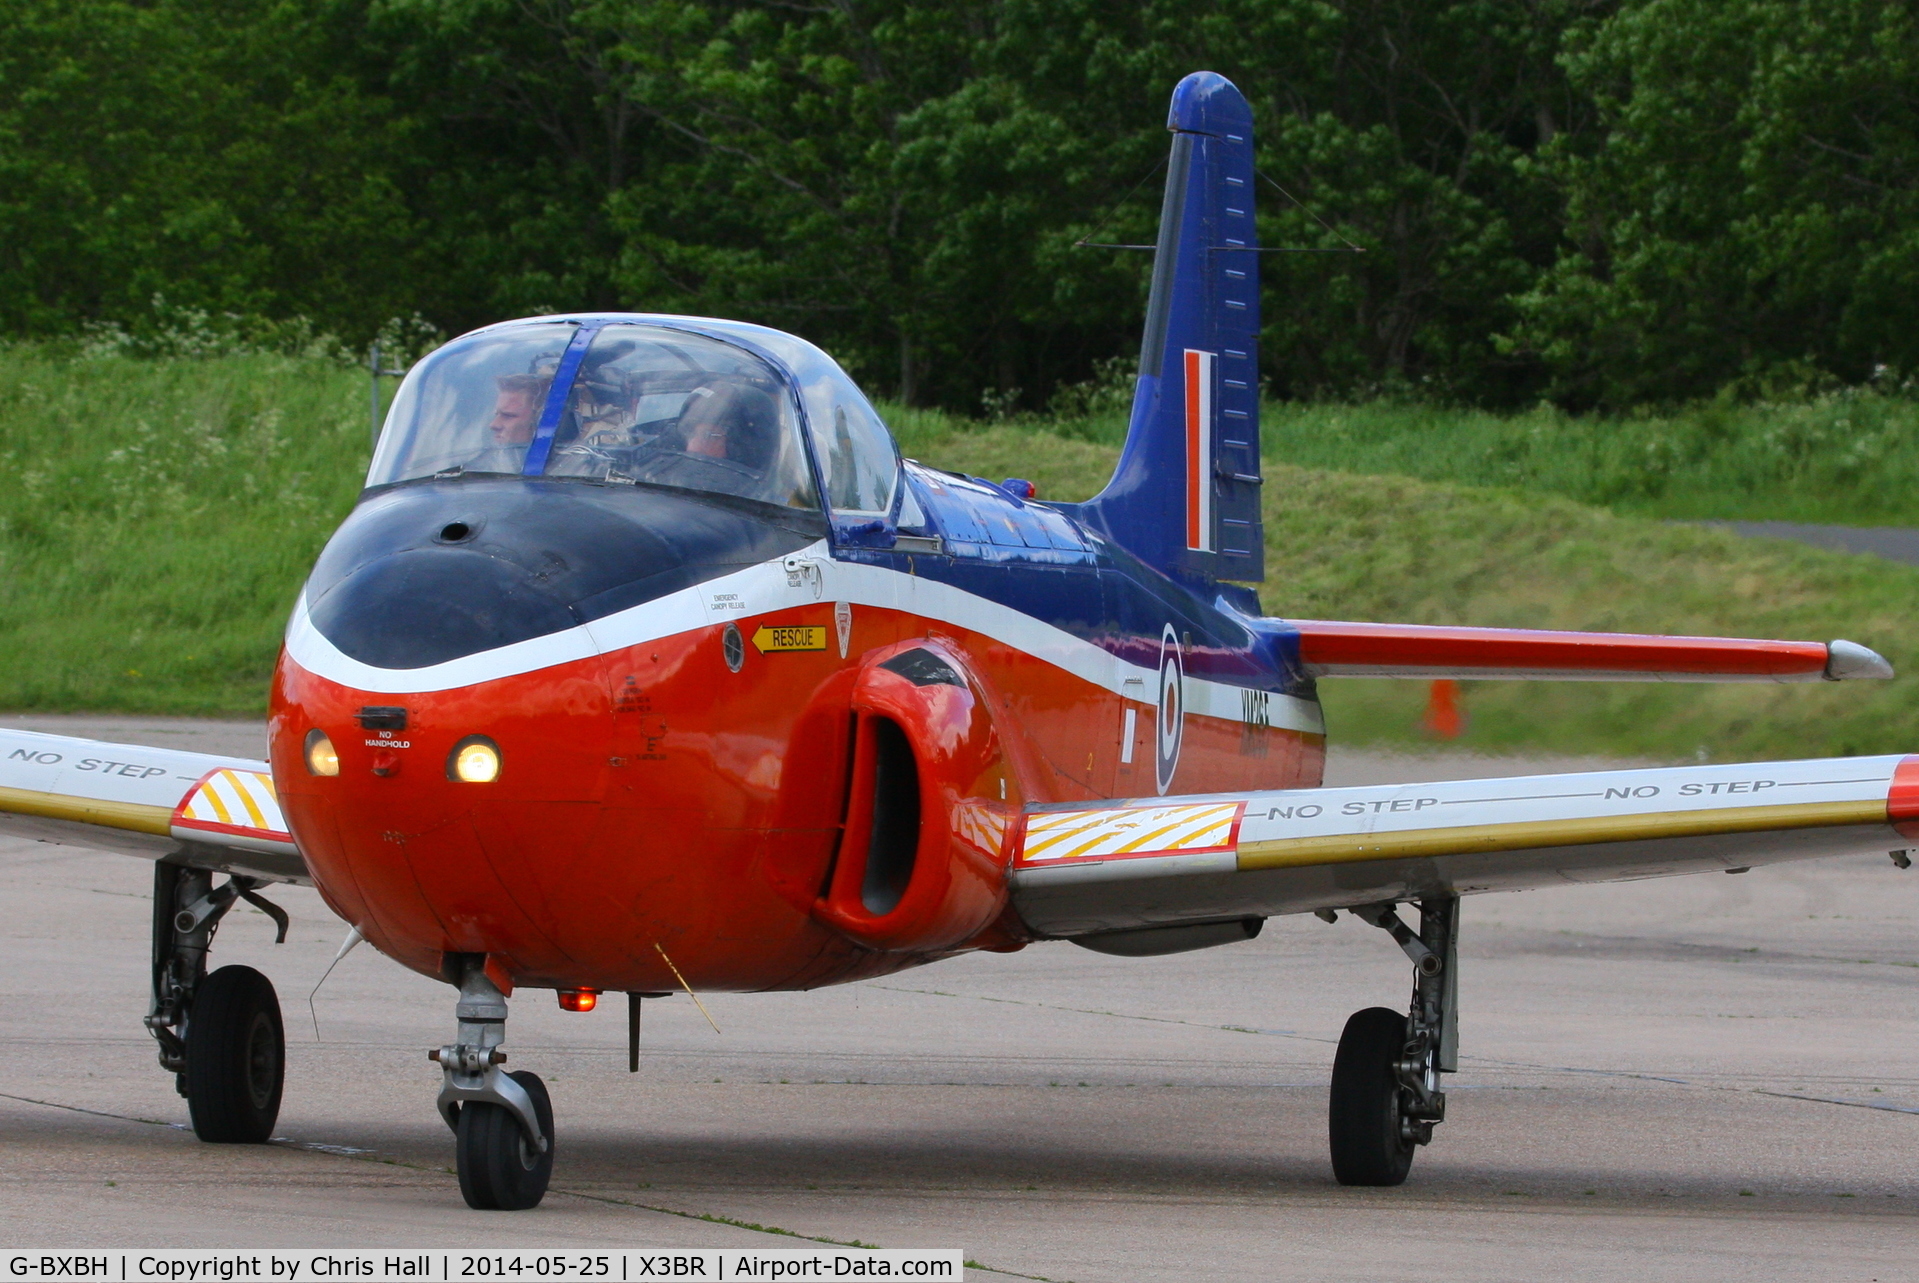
(501, 1168)
(502, 1123)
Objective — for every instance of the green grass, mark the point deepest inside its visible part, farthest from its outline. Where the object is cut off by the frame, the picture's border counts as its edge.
(1848, 457)
(158, 518)
(1341, 546)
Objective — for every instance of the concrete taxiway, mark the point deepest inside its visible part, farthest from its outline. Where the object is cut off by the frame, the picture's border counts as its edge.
(1706, 1077)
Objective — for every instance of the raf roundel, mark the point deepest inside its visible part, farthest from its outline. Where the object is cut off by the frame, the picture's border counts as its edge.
(1171, 721)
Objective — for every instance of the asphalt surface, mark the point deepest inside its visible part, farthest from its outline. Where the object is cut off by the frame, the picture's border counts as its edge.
(1894, 543)
(1707, 1077)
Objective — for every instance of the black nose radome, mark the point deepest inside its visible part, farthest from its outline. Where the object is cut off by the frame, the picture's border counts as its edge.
(425, 573)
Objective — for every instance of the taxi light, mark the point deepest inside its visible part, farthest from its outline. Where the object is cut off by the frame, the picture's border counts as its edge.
(579, 999)
(321, 759)
(474, 760)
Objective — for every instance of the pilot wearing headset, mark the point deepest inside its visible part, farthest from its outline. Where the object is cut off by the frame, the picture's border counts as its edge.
(729, 421)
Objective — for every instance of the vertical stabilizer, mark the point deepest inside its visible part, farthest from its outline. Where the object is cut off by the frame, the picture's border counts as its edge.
(1185, 497)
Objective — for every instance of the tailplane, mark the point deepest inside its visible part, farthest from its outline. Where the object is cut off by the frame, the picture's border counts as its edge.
(1185, 497)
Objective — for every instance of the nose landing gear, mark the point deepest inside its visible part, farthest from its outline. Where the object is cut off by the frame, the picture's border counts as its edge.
(502, 1123)
(1385, 1097)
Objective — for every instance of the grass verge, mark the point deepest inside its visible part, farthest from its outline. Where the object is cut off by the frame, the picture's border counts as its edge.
(1848, 457)
(1341, 546)
(159, 516)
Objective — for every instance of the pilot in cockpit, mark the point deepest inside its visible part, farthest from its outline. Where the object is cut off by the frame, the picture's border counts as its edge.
(644, 405)
(724, 438)
(729, 421)
(518, 400)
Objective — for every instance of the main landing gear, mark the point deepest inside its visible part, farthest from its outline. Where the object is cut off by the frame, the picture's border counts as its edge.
(503, 1123)
(1385, 1097)
(220, 1035)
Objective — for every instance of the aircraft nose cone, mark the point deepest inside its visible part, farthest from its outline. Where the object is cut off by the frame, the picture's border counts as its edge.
(422, 606)
(424, 574)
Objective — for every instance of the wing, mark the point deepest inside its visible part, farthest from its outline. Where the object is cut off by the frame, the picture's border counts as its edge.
(1331, 649)
(1132, 864)
(192, 808)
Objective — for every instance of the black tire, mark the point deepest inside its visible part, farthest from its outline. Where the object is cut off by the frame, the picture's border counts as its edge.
(236, 1058)
(1363, 1118)
(499, 1169)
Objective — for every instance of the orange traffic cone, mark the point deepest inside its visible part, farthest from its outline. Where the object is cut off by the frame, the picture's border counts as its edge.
(1443, 719)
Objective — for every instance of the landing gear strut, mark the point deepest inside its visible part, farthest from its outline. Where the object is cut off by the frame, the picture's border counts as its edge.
(1385, 1097)
(220, 1035)
(503, 1123)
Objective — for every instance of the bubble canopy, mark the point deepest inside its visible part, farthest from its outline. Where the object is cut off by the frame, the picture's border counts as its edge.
(714, 406)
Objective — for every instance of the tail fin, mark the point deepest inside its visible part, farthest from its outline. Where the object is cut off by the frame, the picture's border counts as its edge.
(1185, 497)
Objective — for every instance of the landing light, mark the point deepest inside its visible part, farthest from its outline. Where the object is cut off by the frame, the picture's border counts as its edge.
(579, 999)
(321, 759)
(475, 760)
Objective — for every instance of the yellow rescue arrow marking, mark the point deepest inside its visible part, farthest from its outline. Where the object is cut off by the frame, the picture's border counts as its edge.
(772, 637)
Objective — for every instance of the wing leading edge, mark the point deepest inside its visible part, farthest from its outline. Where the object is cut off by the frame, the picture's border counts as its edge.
(1131, 864)
(199, 809)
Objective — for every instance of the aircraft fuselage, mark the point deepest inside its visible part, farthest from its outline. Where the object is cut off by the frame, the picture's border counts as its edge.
(691, 704)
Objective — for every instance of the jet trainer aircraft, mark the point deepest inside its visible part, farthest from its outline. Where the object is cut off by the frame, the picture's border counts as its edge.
(645, 662)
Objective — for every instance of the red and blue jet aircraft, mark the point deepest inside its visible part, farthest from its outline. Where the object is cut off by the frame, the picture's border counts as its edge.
(646, 663)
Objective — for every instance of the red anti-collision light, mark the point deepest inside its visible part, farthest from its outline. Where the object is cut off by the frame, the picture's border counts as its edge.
(579, 999)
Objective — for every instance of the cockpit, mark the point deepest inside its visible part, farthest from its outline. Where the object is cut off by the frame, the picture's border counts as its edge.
(643, 402)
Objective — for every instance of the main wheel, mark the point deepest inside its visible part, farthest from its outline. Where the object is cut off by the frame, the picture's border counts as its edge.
(499, 1168)
(1363, 1120)
(236, 1057)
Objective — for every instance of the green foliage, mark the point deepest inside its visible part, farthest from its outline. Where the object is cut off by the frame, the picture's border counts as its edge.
(1357, 547)
(1749, 205)
(162, 513)
(1850, 457)
(903, 182)
(158, 520)
(207, 151)
(1341, 546)
(906, 181)
(1611, 202)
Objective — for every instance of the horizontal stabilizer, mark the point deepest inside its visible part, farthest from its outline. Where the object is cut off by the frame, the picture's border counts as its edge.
(200, 809)
(1330, 649)
(1135, 863)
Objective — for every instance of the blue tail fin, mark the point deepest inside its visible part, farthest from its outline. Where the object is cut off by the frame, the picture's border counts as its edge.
(1185, 497)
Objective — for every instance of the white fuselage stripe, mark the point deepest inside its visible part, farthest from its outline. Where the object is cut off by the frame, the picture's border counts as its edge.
(768, 587)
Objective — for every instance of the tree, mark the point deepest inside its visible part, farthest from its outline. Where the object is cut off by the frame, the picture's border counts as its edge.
(193, 149)
(1749, 208)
